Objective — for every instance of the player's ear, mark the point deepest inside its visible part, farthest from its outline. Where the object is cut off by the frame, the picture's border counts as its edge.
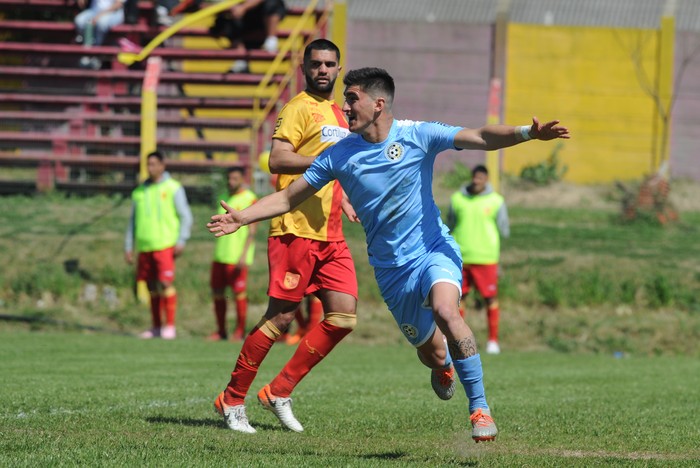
(379, 104)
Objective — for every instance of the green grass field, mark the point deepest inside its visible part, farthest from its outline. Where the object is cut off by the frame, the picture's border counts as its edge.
(578, 289)
(103, 400)
(575, 279)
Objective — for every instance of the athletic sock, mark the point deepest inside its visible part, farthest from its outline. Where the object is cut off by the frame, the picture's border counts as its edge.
(220, 313)
(255, 348)
(492, 314)
(155, 311)
(448, 357)
(315, 312)
(471, 375)
(241, 312)
(170, 299)
(315, 346)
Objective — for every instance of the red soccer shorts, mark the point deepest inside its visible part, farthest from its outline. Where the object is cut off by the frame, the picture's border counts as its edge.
(156, 266)
(300, 266)
(483, 277)
(225, 274)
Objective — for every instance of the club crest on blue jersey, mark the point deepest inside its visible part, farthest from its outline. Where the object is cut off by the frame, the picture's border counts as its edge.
(409, 330)
(394, 151)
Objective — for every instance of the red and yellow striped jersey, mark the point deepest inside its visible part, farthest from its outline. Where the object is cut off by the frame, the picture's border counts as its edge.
(311, 124)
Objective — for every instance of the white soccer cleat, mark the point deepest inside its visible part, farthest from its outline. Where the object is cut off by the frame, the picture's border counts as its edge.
(483, 427)
(492, 347)
(234, 416)
(281, 407)
(443, 382)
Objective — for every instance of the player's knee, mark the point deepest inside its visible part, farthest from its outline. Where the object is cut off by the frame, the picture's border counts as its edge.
(268, 329)
(169, 291)
(446, 312)
(341, 320)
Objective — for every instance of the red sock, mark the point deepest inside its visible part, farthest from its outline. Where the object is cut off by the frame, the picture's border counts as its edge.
(242, 312)
(255, 348)
(220, 312)
(315, 311)
(312, 349)
(155, 311)
(170, 306)
(492, 313)
(461, 311)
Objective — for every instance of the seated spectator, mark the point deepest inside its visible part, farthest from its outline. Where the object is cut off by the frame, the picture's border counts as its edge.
(167, 10)
(241, 23)
(94, 23)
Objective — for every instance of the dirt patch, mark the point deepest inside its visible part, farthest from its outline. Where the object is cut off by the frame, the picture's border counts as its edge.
(685, 195)
(560, 195)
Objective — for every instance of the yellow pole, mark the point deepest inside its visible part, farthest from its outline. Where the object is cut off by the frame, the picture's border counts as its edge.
(149, 109)
(339, 33)
(494, 117)
(665, 90)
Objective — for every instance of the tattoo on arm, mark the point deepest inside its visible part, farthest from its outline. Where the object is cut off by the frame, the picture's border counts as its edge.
(461, 349)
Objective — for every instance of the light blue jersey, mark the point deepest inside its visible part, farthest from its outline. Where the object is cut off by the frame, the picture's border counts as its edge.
(390, 186)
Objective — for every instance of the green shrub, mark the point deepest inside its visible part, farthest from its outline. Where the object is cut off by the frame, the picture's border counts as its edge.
(458, 176)
(545, 172)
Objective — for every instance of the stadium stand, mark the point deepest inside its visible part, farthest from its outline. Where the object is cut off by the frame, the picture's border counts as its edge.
(76, 129)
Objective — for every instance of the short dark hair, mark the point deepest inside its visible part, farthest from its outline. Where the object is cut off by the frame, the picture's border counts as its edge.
(240, 169)
(372, 81)
(156, 154)
(320, 44)
(480, 168)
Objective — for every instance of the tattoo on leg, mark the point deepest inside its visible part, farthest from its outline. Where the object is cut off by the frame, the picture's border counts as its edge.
(461, 349)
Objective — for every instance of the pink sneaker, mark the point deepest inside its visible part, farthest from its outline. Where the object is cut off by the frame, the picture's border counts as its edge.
(148, 334)
(168, 332)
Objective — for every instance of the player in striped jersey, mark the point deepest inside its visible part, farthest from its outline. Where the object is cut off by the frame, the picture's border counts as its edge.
(307, 253)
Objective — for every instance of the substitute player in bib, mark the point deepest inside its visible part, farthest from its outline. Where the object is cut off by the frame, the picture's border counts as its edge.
(477, 219)
(386, 169)
(232, 257)
(159, 227)
(307, 253)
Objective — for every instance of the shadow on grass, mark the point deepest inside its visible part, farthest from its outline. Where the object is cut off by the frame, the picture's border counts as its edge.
(184, 421)
(216, 422)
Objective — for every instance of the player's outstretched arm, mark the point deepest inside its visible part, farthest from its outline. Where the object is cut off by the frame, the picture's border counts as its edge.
(267, 207)
(491, 137)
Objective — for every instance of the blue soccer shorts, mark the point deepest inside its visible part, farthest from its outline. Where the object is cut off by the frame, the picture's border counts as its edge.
(406, 290)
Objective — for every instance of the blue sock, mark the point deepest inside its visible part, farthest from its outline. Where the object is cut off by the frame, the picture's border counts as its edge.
(472, 377)
(448, 358)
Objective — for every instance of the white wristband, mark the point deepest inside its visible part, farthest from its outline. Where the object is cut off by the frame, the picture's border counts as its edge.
(524, 132)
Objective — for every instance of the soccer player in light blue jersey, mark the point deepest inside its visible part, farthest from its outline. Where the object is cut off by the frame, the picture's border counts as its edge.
(386, 169)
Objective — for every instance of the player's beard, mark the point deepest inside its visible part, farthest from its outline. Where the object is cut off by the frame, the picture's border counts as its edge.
(312, 85)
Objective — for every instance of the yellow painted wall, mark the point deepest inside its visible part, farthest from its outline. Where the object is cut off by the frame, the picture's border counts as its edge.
(587, 78)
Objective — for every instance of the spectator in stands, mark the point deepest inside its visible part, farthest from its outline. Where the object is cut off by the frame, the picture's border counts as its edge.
(94, 23)
(159, 226)
(243, 23)
(167, 10)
